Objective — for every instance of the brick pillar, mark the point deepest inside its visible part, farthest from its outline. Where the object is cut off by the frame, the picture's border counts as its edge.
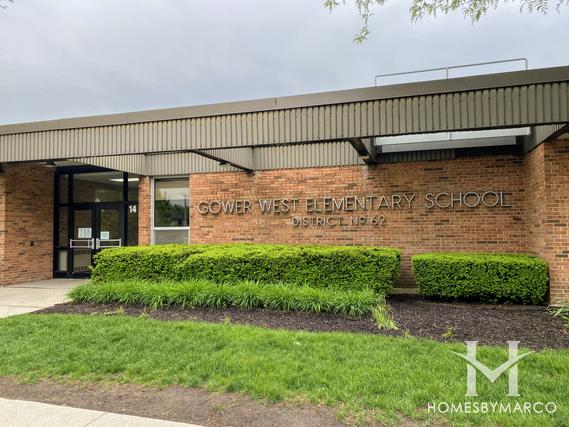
(144, 210)
(547, 212)
(3, 227)
(26, 223)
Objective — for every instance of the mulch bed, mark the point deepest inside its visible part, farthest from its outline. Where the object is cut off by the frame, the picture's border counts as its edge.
(533, 326)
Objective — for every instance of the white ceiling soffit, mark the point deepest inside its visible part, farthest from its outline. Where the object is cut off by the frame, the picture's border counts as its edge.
(447, 140)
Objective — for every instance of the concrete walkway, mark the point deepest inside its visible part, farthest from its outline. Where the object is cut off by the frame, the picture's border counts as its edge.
(20, 413)
(32, 296)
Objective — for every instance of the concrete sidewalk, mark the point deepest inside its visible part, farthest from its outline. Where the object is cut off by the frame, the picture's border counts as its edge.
(20, 413)
(32, 296)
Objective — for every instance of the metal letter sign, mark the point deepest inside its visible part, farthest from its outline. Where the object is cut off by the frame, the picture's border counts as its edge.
(352, 210)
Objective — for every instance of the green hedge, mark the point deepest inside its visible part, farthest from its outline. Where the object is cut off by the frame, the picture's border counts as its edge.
(343, 267)
(486, 277)
(244, 295)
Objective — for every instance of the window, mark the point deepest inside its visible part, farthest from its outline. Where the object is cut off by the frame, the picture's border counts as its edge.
(63, 188)
(132, 188)
(98, 187)
(171, 210)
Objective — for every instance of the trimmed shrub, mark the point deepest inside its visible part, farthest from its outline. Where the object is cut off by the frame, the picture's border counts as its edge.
(343, 267)
(486, 277)
(244, 295)
(156, 262)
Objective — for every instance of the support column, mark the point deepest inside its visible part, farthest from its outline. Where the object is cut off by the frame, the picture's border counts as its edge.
(547, 212)
(26, 223)
(144, 210)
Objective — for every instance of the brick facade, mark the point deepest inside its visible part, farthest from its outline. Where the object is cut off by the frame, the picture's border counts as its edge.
(547, 213)
(535, 220)
(26, 223)
(536, 187)
(144, 210)
(413, 230)
(555, 221)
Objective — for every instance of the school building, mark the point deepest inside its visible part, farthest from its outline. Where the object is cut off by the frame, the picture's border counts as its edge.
(477, 164)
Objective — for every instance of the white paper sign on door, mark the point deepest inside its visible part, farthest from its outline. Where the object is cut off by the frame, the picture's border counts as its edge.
(105, 235)
(84, 233)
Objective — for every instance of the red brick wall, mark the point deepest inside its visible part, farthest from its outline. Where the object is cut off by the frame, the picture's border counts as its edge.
(144, 210)
(413, 230)
(26, 223)
(534, 198)
(556, 224)
(547, 216)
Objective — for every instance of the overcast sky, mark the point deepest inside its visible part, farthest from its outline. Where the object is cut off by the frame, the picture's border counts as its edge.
(65, 58)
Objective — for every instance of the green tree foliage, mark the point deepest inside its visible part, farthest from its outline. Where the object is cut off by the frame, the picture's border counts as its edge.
(473, 9)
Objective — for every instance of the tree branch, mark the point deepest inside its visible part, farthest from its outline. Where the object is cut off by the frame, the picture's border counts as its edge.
(3, 3)
(473, 9)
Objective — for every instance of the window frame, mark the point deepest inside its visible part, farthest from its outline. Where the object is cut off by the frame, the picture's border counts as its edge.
(153, 228)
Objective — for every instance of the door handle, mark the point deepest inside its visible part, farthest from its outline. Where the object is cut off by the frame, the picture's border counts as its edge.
(82, 243)
(113, 243)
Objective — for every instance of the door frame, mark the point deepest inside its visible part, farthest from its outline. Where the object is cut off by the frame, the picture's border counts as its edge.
(122, 206)
(95, 208)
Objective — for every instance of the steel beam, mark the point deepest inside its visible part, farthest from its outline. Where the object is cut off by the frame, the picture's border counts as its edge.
(240, 158)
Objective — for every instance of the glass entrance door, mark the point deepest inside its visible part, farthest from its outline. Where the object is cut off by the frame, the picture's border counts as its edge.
(94, 209)
(82, 244)
(94, 228)
(108, 226)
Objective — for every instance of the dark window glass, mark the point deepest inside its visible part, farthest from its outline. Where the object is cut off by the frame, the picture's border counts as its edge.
(109, 224)
(171, 236)
(61, 260)
(63, 185)
(132, 222)
(98, 187)
(132, 188)
(171, 203)
(62, 224)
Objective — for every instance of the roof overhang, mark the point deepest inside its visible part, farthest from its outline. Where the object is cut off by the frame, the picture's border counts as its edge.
(533, 98)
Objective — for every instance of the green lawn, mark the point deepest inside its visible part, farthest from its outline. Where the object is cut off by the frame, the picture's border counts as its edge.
(355, 373)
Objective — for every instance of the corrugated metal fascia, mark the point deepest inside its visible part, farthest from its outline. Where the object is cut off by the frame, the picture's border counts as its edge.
(291, 156)
(306, 155)
(542, 134)
(434, 87)
(237, 156)
(531, 105)
(136, 164)
(183, 164)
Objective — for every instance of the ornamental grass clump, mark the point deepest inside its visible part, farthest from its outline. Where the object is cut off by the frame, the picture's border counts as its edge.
(383, 315)
(244, 295)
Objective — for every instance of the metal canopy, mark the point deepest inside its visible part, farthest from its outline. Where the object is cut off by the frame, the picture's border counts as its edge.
(514, 99)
